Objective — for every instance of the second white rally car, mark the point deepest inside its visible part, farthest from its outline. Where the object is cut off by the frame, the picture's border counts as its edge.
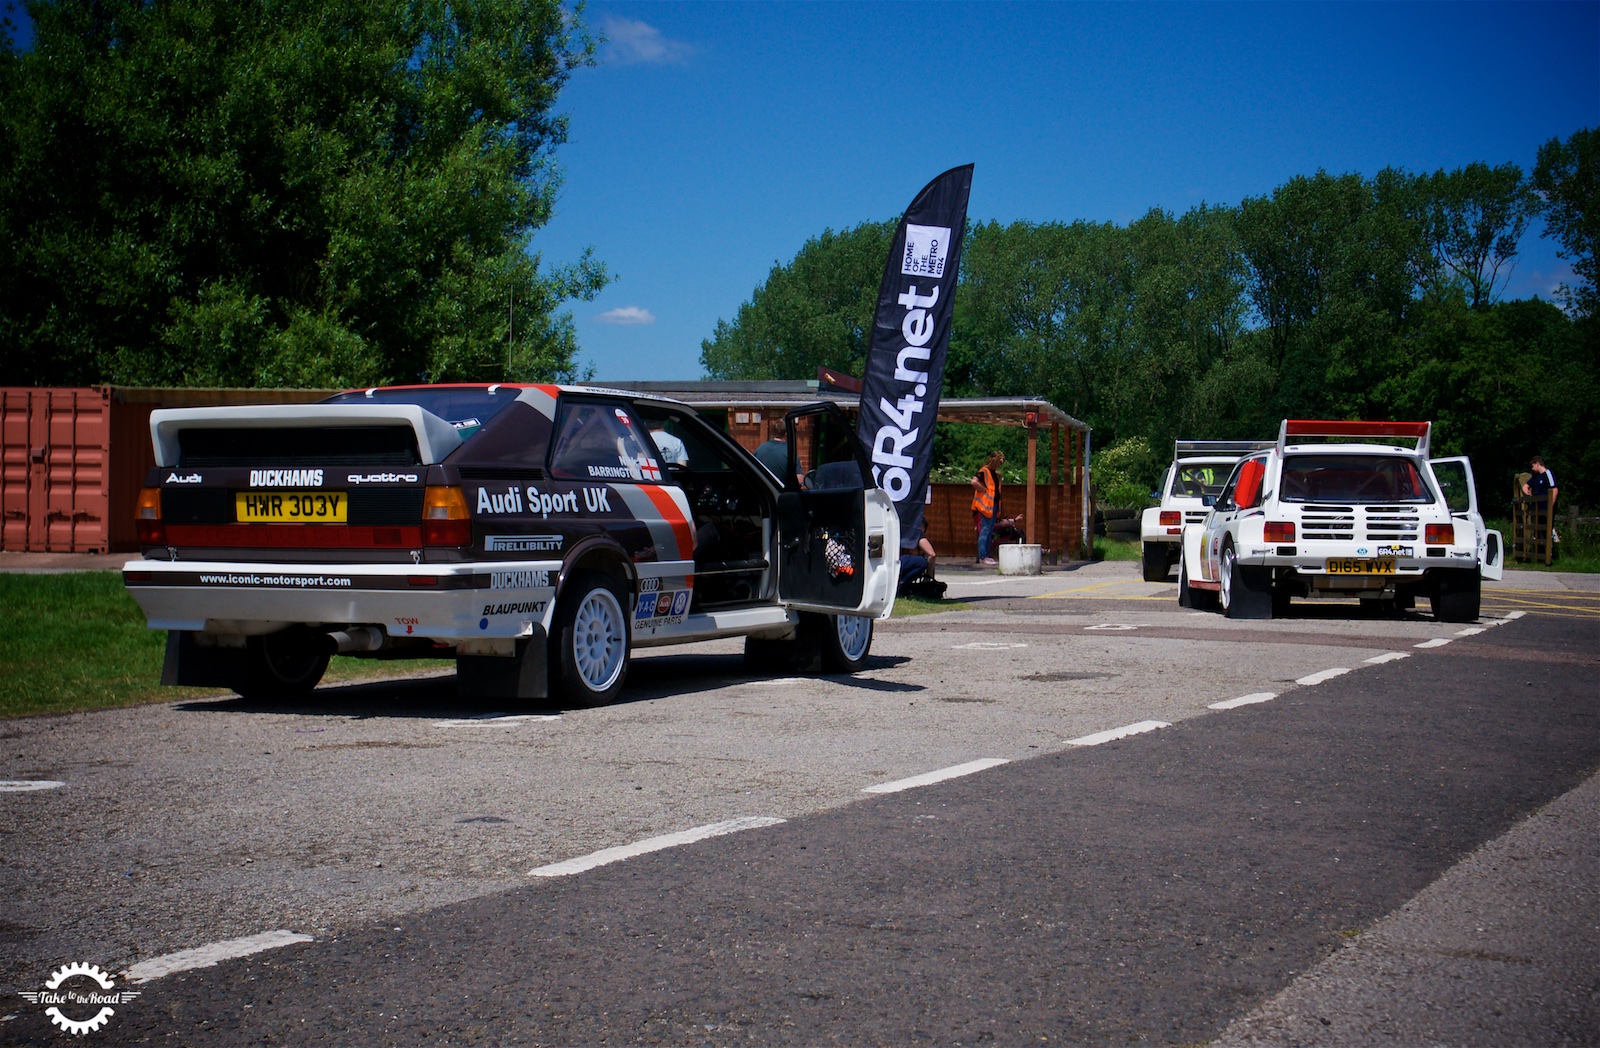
(1338, 508)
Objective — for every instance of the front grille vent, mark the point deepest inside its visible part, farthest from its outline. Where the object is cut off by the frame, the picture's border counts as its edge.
(1364, 524)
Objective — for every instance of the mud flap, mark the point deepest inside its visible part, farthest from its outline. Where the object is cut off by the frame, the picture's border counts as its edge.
(188, 663)
(524, 675)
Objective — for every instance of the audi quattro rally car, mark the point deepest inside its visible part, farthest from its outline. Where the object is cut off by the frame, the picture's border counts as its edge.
(536, 534)
(1199, 468)
(1304, 518)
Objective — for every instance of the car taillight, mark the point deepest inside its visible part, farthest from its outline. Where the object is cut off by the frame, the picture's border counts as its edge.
(445, 521)
(147, 515)
(1171, 518)
(1441, 534)
(1280, 531)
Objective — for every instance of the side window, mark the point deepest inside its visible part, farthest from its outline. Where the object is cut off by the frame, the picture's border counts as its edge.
(601, 440)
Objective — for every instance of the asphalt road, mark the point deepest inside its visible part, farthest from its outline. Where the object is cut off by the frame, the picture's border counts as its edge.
(1402, 852)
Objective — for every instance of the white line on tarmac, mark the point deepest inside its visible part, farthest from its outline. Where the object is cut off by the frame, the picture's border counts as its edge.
(1322, 675)
(27, 785)
(1514, 615)
(986, 645)
(1470, 631)
(206, 956)
(931, 777)
(1388, 656)
(607, 856)
(495, 719)
(1114, 734)
(1244, 700)
(1437, 642)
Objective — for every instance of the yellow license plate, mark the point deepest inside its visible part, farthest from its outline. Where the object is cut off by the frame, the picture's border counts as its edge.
(1360, 566)
(290, 507)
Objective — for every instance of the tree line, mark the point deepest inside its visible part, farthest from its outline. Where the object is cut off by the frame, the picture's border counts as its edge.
(285, 192)
(1335, 296)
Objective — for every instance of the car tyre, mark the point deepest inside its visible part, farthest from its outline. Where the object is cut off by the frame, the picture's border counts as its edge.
(283, 666)
(844, 640)
(1459, 596)
(589, 641)
(1246, 592)
(1155, 563)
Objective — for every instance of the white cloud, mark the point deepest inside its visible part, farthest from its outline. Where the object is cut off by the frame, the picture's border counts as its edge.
(627, 315)
(630, 42)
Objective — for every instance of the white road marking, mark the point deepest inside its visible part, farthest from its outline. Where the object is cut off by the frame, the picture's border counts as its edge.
(1114, 734)
(26, 785)
(206, 956)
(984, 645)
(935, 776)
(1437, 642)
(1322, 675)
(1388, 656)
(1514, 615)
(606, 856)
(1244, 700)
(1113, 626)
(494, 719)
(1470, 631)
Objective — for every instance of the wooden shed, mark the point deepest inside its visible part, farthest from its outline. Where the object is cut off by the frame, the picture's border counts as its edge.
(1054, 504)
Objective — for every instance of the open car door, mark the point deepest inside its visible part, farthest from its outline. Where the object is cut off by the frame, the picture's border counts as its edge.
(1455, 481)
(838, 533)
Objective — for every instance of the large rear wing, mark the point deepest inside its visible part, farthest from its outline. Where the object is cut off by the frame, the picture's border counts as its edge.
(1238, 448)
(1350, 430)
(436, 438)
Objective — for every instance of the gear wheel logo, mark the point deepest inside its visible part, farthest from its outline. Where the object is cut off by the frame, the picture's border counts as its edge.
(80, 999)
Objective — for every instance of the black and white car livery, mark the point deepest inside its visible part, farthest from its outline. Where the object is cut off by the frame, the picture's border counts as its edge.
(536, 534)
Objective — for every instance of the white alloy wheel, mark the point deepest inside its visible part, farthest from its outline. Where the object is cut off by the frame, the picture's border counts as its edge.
(855, 636)
(599, 639)
(1225, 576)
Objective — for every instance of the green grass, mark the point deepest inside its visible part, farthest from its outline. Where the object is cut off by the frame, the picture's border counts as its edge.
(904, 607)
(77, 641)
(1116, 549)
(1578, 550)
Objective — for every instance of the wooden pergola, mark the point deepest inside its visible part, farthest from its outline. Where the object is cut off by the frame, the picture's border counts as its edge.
(755, 411)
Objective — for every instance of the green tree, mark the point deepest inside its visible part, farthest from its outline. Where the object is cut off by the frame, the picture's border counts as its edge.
(1567, 178)
(249, 192)
(816, 311)
(1475, 217)
(1334, 266)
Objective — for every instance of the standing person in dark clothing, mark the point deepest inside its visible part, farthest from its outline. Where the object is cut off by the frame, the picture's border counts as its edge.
(1542, 484)
(1541, 481)
(774, 454)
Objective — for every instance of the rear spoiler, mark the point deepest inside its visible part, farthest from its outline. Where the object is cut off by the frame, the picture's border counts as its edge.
(1296, 427)
(436, 438)
(1218, 447)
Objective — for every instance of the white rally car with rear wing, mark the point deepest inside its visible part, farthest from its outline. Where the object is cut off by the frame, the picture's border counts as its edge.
(1328, 510)
(535, 534)
(1199, 468)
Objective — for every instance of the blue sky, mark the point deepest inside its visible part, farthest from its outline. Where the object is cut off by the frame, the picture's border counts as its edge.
(714, 139)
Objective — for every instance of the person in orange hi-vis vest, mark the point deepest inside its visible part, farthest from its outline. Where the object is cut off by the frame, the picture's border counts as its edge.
(986, 503)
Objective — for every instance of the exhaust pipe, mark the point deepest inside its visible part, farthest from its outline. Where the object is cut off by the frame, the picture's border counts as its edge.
(356, 638)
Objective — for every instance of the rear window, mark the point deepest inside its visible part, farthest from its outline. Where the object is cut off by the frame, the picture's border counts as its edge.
(1195, 479)
(464, 408)
(1352, 478)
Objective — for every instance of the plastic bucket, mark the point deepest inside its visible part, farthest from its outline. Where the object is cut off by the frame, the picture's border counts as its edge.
(1020, 558)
